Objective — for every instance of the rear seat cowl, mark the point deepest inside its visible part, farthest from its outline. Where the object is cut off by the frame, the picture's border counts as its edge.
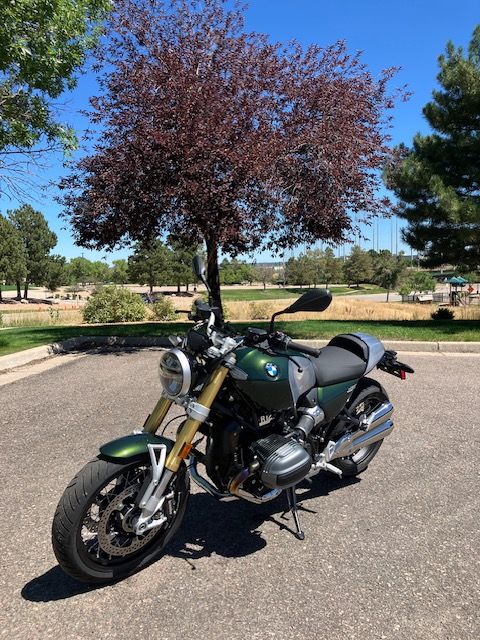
(351, 343)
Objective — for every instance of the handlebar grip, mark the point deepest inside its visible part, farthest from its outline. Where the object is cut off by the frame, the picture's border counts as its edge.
(304, 348)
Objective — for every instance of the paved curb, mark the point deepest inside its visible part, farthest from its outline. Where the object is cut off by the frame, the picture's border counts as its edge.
(36, 354)
(87, 342)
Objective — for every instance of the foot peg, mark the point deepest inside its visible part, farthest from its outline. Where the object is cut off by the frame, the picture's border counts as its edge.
(292, 505)
(363, 422)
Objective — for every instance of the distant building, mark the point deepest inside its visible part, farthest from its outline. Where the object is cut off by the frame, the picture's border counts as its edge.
(276, 266)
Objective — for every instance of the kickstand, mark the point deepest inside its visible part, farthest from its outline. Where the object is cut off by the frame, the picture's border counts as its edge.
(292, 505)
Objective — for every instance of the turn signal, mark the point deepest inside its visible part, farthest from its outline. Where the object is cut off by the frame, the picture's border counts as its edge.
(185, 450)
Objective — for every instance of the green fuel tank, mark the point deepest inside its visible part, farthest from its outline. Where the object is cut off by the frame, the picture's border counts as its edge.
(276, 382)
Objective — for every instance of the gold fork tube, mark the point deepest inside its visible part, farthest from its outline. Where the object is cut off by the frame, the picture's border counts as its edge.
(191, 426)
(157, 416)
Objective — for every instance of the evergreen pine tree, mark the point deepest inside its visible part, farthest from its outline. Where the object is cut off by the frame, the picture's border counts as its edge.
(13, 266)
(438, 179)
(38, 239)
(150, 264)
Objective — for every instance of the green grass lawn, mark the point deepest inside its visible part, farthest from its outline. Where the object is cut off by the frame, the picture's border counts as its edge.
(13, 287)
(427, 330)
(12, 340)
(232, 295)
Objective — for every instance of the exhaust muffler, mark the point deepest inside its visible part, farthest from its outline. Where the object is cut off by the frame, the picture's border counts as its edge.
(378, 427)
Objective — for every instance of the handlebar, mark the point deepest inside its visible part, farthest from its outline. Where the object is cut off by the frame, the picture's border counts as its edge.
(304, 348)
(279, 339)
(255, 337)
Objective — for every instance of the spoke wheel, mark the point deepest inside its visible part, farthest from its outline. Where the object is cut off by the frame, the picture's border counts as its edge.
(366, 400)
(93, 530)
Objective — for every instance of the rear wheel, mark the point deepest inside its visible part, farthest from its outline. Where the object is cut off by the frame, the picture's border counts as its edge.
(93, 533)
(368, 398)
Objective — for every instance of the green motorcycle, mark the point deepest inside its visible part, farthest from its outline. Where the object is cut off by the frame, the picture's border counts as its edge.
(272, 413)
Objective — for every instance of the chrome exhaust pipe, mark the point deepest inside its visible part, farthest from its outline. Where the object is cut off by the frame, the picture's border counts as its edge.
(202, 482)
(378, 426)
(236, 488)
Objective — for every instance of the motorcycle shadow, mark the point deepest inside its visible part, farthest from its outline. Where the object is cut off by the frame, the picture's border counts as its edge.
(211, 527)
(231, 528)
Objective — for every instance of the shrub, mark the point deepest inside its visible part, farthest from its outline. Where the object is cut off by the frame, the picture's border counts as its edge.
(443, 313)
(111, 304)
(164, 309)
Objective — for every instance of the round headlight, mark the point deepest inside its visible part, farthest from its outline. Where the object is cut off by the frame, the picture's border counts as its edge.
(175, 373)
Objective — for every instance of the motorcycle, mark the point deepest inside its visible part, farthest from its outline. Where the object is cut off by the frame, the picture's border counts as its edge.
(271, 412)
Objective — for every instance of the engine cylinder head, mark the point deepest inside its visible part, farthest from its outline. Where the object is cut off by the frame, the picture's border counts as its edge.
(283, 461)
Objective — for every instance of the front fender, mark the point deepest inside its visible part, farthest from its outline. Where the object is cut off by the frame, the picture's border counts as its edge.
(132, 446)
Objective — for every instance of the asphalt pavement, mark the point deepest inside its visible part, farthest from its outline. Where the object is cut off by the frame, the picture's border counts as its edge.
(394, 554)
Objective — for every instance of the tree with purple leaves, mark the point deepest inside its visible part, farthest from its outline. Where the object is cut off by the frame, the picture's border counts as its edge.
(209, 133)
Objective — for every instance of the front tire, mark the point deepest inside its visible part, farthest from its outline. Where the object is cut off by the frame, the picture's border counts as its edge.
(92, 533)
(369, 396)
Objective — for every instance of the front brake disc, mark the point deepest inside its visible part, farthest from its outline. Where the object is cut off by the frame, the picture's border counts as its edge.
(112, 536)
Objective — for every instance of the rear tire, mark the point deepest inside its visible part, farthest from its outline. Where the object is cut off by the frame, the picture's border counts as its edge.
(92, 537)
(367, 397)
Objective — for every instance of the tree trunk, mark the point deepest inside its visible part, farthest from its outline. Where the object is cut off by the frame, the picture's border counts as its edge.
(151, 288)
(264, 286)
(1, 293)
(178, 287)
(213, 274)
(19, 290)
(25, 291)
(388, 293)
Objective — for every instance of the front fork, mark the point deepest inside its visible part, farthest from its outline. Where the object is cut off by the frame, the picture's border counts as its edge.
(163, 469)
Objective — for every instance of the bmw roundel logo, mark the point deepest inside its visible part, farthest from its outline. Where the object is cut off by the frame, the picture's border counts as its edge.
(271, 370)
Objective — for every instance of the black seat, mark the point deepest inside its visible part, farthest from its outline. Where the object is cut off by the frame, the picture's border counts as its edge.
(335, 364)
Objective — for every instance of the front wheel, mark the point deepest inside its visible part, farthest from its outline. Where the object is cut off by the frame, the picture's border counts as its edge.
(368, 398)
(92, 534)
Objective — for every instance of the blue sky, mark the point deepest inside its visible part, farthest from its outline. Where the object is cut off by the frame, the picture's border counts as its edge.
(410, 34)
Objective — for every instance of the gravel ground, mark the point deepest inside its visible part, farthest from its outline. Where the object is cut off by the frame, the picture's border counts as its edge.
(394, 554)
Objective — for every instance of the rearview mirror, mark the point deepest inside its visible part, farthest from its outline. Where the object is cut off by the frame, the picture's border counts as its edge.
(199, 268)
(313, 300)
(201, 272)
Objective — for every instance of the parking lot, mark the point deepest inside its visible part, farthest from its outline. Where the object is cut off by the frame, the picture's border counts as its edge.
(394, 554)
